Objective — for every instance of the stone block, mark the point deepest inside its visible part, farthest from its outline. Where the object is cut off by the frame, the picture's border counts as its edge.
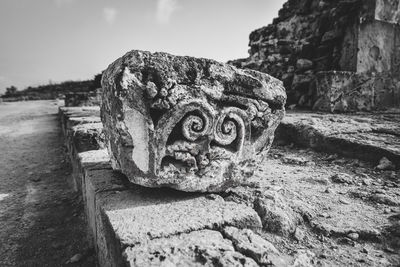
(388, 11)
(94, 159)
(199, 248)
(82, 120)
(139, 215)
(96, 181)
(79, 99)
(85, 137)
(187, 123)
(68, 113)
(343, 91)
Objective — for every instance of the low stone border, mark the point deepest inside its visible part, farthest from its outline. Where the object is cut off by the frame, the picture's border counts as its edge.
(132, 225)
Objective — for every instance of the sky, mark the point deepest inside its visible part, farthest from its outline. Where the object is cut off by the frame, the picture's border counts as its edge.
(46, 41)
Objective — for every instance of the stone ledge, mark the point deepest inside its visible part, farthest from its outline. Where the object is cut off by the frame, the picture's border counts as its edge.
(128, 218)
(209, 247)
(66, 113)
(120, 215)
(368, 136)
(82, 132)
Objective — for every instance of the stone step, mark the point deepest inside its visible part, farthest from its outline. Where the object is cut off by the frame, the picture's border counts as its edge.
(131, 225)
(122, 216)
(368, 137)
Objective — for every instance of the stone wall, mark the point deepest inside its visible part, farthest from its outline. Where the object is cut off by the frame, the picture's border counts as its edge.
(130, 225)
(315, 36)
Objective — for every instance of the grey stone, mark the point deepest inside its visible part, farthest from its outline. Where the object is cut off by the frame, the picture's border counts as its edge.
(187, 123)
(353, 236)
(304, 64)
(254, 246)
(277, 216)
(198, 248)
(138, 216)
(342, 178)
(385, 164)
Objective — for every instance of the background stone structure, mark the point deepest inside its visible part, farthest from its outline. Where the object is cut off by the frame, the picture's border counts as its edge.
(332, 55)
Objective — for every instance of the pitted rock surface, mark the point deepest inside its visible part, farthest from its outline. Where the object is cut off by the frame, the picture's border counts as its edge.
(187, 123)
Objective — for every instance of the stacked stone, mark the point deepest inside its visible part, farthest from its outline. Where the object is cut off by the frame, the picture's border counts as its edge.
(317, 36)
(83, 99)
(307, 37)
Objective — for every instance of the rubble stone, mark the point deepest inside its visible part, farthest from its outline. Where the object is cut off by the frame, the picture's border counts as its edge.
(344, 53)
(198, 248)
(186, 123)
(254, 246)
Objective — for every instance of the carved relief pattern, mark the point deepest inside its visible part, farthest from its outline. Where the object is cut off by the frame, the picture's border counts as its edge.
(187, 123)
(204, 136)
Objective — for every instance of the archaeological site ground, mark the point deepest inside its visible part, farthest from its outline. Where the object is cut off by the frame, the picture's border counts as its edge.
(289, 157)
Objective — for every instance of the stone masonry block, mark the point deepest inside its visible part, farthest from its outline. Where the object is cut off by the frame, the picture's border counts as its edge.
(198, 248)
(187, 123)
(139, 215)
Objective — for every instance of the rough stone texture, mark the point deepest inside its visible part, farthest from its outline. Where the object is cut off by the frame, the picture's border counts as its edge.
(85, 137)
(388, 11)
(68, 113)
(82, 133)
(94, 182)
(255, 247)
(133, 225)
(350, 91)
(79, 99)
(277, 216)
(349, 221)
(140, 215)
(368, 137)
(186, 123)
(356, 36)
(120, 214)
(199, 248)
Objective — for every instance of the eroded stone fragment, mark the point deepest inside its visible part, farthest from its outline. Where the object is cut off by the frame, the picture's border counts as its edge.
(187, 123)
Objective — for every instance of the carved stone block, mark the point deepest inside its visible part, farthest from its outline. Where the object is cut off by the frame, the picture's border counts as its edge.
(188, 123)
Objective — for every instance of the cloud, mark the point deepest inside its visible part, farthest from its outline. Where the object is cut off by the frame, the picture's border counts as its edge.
(63, 2)
(110, 14)
(165, 8)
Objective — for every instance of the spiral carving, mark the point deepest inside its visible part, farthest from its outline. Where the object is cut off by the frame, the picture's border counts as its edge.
(195, 126)
(229, 127)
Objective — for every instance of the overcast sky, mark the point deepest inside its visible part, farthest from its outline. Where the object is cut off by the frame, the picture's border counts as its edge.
(58, 40)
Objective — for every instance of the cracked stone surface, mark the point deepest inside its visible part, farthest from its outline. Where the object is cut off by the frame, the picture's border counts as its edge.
(187, 123)
(139, 216)
(367, 136)
(325, 210)
(317, 209)
(198, 248)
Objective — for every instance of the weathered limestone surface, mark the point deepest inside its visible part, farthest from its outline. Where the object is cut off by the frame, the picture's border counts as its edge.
(341, 91)
(338, 219)
(121, 215)
(364, 136)
(187, 123)
(313, 38)
(83, 132)
(79, 99)
(206, 245)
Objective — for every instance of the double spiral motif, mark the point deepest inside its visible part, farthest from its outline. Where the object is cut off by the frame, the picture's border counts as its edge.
(228, 126)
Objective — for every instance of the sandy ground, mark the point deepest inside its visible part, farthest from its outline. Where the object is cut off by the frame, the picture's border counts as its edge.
(41, 219)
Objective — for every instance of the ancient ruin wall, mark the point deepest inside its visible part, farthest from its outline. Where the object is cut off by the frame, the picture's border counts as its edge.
(313, 36)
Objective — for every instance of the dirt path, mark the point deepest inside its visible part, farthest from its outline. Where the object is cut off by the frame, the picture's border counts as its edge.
(41, 219)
